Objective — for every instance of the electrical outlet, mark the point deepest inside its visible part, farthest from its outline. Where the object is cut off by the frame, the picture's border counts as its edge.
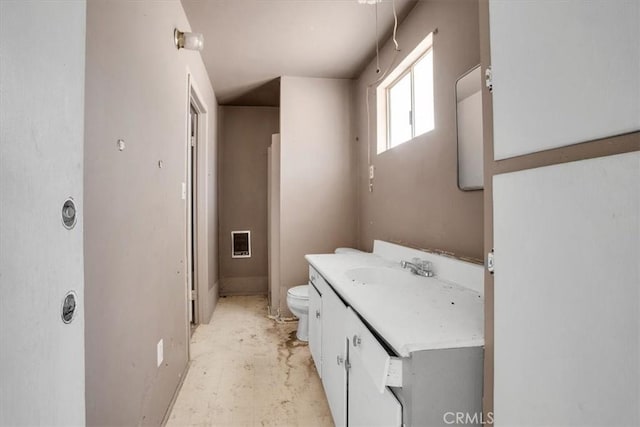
(371, 170)
(184, 191)
(160, 352)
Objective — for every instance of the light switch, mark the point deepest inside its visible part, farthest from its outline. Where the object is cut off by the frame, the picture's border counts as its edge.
(160, 352)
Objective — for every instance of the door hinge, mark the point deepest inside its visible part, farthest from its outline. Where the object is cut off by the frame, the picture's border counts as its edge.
(488, 78)
(347, 365)
(490, 262)
(193, 141)
(193, 294)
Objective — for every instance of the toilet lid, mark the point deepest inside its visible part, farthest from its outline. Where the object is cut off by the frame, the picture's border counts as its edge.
(301, 291)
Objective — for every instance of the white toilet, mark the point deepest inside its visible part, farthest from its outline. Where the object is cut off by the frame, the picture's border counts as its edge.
(298, 303)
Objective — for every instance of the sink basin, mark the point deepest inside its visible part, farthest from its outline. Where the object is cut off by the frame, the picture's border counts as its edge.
(379, 275)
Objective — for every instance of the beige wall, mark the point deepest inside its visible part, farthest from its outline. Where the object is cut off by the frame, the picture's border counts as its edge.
(317, 195)
(245, 137)
(415, 198)
(273, 224)
(135, 220)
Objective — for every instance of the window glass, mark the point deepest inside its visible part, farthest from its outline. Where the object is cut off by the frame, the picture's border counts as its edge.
(400, 111)
(423, 94)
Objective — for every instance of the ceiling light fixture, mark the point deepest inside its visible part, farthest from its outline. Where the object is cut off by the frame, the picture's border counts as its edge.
(190, 41)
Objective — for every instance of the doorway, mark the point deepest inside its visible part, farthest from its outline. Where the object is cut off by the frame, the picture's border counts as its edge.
(199, 292)
(192, 213)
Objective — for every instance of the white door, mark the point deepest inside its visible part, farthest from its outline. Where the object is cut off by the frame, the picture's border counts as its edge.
(42, 51)
(334, 356)
(567, 294)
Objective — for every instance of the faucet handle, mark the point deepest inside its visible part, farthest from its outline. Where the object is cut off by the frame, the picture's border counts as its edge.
(426, 265)
(421, 263)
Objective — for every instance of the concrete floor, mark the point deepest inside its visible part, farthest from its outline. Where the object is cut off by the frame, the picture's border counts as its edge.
(248, 370)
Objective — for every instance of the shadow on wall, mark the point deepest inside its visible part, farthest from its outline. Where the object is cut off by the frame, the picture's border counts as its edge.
(264, 95)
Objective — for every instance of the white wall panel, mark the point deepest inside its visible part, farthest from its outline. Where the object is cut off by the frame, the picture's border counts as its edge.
(567, 300)
(42, 65)
(564, 72)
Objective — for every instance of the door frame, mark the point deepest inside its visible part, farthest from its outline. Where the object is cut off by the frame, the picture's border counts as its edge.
(192, 214)
(200, 231)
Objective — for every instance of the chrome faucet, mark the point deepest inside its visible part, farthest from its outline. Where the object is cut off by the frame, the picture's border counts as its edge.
(418, 266)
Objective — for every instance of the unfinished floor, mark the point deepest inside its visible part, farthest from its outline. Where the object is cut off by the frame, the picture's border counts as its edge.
(248, 370)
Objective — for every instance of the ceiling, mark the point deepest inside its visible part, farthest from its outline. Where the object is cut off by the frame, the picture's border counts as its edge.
(249, 44)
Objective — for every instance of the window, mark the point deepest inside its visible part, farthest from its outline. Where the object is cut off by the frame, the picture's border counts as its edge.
(405, 99)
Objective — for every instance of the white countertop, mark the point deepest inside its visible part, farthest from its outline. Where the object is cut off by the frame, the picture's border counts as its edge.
(419, 313)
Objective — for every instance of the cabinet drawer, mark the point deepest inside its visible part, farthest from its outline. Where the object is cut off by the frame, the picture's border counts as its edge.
(318, 281)
(375, 359)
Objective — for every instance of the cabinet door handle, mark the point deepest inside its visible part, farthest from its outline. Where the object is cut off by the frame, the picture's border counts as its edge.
(356, 340)
(339, 360)
(317, 314)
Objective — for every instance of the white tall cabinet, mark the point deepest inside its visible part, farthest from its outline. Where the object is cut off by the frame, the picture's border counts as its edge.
(567, 236)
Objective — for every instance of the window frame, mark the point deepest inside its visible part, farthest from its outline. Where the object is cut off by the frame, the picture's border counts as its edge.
(412, 118)
(388, 103)
(383, 91)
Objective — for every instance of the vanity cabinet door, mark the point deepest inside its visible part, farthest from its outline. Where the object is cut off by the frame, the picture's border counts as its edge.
(315, 327)
(369, 404)
(334, 355)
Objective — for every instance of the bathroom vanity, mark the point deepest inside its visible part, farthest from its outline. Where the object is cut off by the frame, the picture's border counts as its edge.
(393, 348)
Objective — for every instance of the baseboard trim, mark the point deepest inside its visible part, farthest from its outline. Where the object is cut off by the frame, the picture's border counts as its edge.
(210, 305)
(242, 294)
(165, 418)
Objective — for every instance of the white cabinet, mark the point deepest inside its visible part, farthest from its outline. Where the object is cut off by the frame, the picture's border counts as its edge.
(366, 384)
(370, 402)
(334, 355)
(360, 363)
(315, 327)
